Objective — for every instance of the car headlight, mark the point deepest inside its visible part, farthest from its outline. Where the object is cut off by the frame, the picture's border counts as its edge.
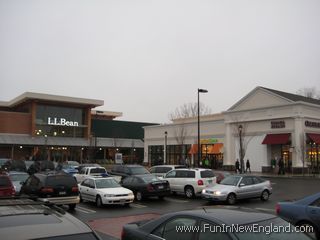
(108, 195)
(217, 193)
(203, 191)
(130, 194)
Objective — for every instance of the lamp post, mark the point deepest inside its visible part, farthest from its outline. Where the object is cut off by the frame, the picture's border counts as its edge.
(165, 148)
(199, 147)
(241, 149)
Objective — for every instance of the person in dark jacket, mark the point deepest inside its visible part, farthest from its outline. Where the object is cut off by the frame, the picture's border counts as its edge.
(248, 166)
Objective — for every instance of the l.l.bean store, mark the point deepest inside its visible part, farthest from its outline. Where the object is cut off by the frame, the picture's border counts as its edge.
(263, 126)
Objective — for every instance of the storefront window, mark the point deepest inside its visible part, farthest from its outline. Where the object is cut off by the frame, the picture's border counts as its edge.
(60, 121)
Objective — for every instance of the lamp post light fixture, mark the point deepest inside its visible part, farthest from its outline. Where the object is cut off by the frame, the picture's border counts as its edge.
(165, 147)
(199, 146)
(241, 149)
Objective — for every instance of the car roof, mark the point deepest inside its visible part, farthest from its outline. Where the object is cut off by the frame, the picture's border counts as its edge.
(218, 215)
(28, 219)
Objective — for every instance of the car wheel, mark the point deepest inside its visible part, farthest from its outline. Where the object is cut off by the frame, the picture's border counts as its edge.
(99, 202)
(72, 206)
(189, 192)
(139, 196)
(265, 195)
(231, 199)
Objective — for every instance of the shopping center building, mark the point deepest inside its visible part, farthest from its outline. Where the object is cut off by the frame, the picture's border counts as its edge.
(263, 126)
(38, 126)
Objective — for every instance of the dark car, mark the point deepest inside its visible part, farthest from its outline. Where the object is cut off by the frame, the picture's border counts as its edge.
(15, 165)
(40, 166)
(128, 170)
(6, 186)
(208, 224)
(304, 212)
(55, 187)
(27, 219)
(146, 185)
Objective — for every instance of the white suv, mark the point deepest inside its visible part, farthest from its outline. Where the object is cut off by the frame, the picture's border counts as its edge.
(190, 181)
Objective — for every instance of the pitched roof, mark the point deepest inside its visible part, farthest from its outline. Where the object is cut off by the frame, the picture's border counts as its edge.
(294, 97)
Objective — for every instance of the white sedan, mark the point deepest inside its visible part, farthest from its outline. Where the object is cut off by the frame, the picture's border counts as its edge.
(104, 190)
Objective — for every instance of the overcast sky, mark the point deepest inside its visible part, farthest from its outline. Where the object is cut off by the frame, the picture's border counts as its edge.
(145, 58)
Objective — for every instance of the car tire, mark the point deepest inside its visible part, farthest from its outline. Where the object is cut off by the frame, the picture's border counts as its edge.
(265, 195)
(231, 199)
(189, 192)
(99, 202)
(139, 196)
(72, 206)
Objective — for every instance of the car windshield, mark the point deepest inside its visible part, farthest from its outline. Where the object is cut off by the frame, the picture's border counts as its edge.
(98, 170)
(107, 183)
(19, 177)
(231, 180)
(139, 170)
(276, 229)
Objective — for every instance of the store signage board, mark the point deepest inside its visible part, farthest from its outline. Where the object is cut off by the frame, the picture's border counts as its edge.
(62, 122)
(118, 158)
(209, 141)
(312, 124)
(278, 124)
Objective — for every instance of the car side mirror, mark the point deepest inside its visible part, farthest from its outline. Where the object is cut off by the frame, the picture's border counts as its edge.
(241, 185)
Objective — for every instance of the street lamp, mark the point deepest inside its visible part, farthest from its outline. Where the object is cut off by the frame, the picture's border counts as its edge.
(199, 147)
(241, 149)
(165, 147)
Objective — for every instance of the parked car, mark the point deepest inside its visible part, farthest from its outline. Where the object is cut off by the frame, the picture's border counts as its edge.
(304, 212)
(55, 187)
(67, 168)
(27, 219)
(18, 178)
(2, 162)
(146, 185)
(161, 170)
(82, 165)
(190, 181)
(40, 166)
(6, 186)
(238, 187)
(90, 171)
(128, 170)
(210, 224)
(104, 190)
(15, 165)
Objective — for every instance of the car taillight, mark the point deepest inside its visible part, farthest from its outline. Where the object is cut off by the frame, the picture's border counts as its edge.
(123, 234)
(200, 182)
(47, 190)
(277, 208)
(150, 188)
(74, 189)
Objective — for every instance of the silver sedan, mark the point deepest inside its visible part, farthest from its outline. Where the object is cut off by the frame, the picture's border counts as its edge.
(238, 187)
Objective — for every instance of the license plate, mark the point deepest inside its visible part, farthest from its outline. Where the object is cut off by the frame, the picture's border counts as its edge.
(160, 187)
(62, 193)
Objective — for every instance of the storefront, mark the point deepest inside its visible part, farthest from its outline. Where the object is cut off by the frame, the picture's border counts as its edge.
(265, 126)
(59, 128)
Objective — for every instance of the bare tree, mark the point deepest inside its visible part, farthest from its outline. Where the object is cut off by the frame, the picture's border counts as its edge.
(240, 131)
(309, 92)
(180, 135)
(188, 110)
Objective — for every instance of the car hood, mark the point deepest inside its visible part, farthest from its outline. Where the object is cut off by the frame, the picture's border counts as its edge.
(118, 190)
(220, 187)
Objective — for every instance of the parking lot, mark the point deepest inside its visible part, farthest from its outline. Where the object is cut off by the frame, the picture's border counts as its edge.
(108, 221)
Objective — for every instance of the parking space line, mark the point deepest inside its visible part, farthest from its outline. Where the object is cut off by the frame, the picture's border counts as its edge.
(265, 209)
(84, 210)
(176, 200)
(135, 205)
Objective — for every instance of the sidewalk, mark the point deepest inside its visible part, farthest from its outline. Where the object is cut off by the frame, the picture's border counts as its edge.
(287, 175)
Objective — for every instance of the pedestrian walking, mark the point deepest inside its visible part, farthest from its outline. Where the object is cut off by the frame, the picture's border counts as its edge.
(248, 166)
(281, 166)
(237, 166)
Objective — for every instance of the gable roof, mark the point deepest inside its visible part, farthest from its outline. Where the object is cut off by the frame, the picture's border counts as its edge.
(279, 98)
(294, 97)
